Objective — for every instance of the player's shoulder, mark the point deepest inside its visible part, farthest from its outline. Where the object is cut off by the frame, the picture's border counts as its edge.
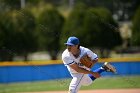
(84, 48)
(65, 53)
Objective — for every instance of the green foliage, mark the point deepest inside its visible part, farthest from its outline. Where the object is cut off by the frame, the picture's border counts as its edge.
(15, 4)
(6, 37)
(93, 25)
(74, 24)
(32, 1)
(100, 29)
(49, 30)
(136, 28)
(24, 25)
(54, 2)
(17, 34)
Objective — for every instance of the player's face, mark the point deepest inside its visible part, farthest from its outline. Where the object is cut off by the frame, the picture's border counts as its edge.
(72, 49)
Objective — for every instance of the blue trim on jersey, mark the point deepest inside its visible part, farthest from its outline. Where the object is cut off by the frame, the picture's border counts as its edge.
(70, 63)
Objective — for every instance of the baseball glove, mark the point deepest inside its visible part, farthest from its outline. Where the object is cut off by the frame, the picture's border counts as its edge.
(86, 61)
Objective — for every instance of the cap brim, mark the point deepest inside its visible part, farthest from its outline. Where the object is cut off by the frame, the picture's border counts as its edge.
(69, 44)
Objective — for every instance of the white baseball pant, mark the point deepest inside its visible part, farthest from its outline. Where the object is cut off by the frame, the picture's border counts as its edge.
(78, 80)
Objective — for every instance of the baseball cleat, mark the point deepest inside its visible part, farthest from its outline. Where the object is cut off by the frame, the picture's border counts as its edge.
(109, 68)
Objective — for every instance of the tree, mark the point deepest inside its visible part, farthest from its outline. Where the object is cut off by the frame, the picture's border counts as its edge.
(136, 29)
(94, 26)
(74, 24)
(49, 31)
(6, 38)
(121, 9)
(11, 4)
(54, 2)
(16, 4)
(100, 30)
(24, 41)
(17, 34)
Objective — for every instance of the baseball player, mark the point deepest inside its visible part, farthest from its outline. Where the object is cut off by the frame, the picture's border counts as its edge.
(79, 61)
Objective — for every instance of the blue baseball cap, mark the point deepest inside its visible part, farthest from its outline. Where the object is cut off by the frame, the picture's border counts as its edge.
(72, 41)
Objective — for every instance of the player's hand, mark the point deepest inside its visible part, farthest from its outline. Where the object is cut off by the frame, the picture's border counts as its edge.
(96, 75)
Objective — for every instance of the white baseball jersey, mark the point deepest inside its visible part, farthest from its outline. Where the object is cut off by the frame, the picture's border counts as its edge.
(78, 78)
(69, 59)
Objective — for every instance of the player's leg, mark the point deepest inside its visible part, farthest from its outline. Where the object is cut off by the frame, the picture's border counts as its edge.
(76, 83)
(99, 70)
(109, 68)
(86, 81)
(106, 67)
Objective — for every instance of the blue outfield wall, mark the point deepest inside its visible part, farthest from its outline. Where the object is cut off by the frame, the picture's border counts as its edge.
(10, 74)
(32, 73)
(123, 68)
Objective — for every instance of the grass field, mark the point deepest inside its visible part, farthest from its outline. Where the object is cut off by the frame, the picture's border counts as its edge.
(57, 85)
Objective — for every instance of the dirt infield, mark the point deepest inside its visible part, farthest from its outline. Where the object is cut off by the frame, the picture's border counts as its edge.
(98, 91)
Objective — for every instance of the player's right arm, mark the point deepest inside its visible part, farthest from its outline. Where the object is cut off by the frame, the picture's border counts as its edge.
(84, 71)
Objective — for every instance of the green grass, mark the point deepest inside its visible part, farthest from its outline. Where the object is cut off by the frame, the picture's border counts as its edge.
(115, 83)
(101, 83)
